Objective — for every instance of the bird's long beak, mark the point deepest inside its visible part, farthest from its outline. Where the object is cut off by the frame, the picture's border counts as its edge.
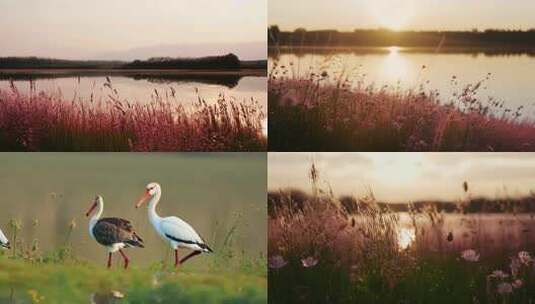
(143, 198)
(91, 209)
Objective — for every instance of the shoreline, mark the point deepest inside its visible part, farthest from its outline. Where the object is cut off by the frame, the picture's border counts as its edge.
(382, 49)
(126, 72)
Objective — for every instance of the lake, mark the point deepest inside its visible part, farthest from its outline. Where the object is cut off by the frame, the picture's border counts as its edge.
(489, 234)
(141, 87)
(213, 192)
(511, 75)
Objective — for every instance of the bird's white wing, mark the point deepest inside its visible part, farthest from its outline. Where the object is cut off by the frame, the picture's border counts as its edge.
(3, 238)
(180, 231)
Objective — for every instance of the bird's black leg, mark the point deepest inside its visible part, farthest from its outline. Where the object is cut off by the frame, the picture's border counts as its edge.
(109, 260)
(189, 256)
(177, 262)
(125, 258)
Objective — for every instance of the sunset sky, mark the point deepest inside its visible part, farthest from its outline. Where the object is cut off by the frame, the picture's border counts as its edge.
(100, 28)
(399, 177)
(402, 14)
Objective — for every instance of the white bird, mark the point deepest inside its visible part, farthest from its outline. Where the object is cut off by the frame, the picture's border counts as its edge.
(4, 242)
(172, 229)
(112, 232)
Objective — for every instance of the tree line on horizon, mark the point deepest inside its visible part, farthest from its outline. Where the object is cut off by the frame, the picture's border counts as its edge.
(385, 37)
(228, 61)
(298, 199)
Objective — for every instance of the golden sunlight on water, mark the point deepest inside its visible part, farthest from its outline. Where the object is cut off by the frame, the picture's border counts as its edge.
(395, 67)
(406, 237)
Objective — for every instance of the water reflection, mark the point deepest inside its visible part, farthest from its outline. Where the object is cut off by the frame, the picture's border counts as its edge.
(394, 66)
(490, 234)
(228, 80)
(140, 88)
(406, 236)
(370, 50)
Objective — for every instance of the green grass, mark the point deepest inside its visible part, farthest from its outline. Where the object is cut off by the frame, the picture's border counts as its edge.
(72, 281)
(229, 275)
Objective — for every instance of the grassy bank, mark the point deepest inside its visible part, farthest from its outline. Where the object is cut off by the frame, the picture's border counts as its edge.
(30, 275)
(41, 121)
(320, 113)
(320, 253)
(26, 282)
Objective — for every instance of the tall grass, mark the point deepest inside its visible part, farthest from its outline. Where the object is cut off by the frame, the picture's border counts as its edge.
(321, 253)
(322, 112)
(42, 121)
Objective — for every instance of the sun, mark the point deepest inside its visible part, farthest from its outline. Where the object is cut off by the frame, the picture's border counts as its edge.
(392, 14)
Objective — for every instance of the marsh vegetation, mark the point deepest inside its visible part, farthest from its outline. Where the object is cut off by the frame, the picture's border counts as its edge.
(323, 105)
(323, 249)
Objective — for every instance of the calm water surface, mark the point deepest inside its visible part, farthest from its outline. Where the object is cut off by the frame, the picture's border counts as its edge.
(512, 77)
(490, 234)
(213, 192)
(143, 89)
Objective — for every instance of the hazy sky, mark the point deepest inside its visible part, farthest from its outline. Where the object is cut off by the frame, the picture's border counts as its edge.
(402, 14)
(88, 29)
(397, 177)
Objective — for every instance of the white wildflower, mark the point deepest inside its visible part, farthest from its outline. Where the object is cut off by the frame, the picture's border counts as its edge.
(309, 262)
(470, 255)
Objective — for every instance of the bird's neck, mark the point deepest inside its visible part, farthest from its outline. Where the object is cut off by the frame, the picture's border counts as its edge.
(153, 216)
(94, 219)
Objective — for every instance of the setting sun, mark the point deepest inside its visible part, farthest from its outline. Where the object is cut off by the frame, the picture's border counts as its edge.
(392, 14)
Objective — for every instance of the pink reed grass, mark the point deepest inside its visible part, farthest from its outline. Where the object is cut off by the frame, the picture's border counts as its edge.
(338, 115)
(46, 122)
